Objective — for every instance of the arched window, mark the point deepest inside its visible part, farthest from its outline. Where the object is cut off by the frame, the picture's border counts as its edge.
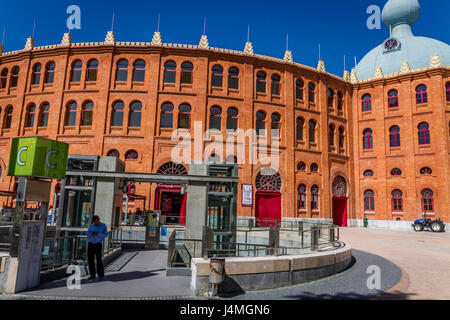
(301, 200)
(299, 128)
(314, 167)
(184, 116)
(367, 102)
(301, 166)
(299, 85)
(49, 72)
(187, 69)
(268, 180)
(232, 119)
(312, 131)
(393, 99)
(275, 126)
(8, 117)
(427, 200)
(396, 172)
(172, 168)
(117, 114)
(424, 133)
(166, 116)
(331, 135)
(261, 123)
(330, 98)
(447, 91)
(71, 114)
(421, 94)
(215, 118)
(314, 197)
(31, 114)
(131, 155)
(135, 115)
(367, 139)
(311, 92)
(394, 136)
(43, 115)
(122, 70)
(368, 173)
(369, 200)
(217, 76)
(92, 69)
(36, 75)
(341, 137)
(276, 84)
(233, 78)
(87, 112)
(397, 200)
(170, 72)
(340, 100)
(139, 71)
(3, 78)
(113, 153)
(261, 82)
(426, 171)
(77, 66)
(14, 77)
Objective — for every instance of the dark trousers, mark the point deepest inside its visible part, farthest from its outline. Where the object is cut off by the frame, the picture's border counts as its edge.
(95, 249)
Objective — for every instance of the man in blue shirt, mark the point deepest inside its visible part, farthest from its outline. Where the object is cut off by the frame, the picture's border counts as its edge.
(96, 233)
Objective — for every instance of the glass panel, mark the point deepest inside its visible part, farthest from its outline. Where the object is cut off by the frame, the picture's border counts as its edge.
(77, 209)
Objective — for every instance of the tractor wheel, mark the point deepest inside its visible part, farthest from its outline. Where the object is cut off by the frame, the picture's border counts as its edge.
(418, 227)
(435, 226)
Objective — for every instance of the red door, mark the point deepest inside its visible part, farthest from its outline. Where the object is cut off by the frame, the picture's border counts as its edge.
(340, 211)
(267, 208)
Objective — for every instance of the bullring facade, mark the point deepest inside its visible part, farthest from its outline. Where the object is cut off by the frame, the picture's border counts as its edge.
(348, 147)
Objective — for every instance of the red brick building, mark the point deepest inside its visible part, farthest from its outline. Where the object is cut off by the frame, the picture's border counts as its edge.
(340, 152)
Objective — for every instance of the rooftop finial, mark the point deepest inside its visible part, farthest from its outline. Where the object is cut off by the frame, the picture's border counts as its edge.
(400, 15)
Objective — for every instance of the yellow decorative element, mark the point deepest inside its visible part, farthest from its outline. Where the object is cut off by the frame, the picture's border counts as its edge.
(435, 61)
(321, 66)
(203, 44)
(29, 45)
(288, 56)
(405, 68)
(66, 40)
(110, 39)
(248, 48)
(156, 40)
(378, 73)
(353, 77)
(346, 76)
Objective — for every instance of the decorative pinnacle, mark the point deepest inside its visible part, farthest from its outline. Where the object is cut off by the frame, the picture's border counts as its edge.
(248, 48)
(110, 39)
(435, 61)
(156, 40)
(353, 77)
(203, 44)
(405, 68)
(378, 73)
(346, 76)
(66, 40)
(29, 45)
(321, 66)
(288, 56)
(1, 49)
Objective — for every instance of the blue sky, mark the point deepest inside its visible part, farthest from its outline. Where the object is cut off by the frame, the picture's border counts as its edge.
(338, 25)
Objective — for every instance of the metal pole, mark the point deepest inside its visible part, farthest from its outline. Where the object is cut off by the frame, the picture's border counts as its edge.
(126, 207)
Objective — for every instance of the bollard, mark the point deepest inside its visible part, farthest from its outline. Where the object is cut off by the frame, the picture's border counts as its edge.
(216, 273)
(315, 238)
(300, 227)
(274, 240)
(251, 224)
(332, 236)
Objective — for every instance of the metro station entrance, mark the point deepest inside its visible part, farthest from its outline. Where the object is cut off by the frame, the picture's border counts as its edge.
(172, 204)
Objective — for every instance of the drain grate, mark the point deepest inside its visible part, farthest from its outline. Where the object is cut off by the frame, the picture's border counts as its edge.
(121, 262)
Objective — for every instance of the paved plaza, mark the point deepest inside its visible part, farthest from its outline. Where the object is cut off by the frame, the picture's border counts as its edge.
(413, 266)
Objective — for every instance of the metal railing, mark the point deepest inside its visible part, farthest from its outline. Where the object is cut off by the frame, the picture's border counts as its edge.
(253, 242)
(5, 237)
(61, 251)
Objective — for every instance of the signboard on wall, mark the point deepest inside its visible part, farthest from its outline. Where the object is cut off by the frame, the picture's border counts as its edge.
(38, 157)
(247, 195)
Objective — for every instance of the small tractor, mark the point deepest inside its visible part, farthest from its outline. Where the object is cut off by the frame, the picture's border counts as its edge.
(433, 225)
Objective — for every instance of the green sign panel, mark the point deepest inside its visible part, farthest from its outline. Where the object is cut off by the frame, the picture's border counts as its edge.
(38, 157)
